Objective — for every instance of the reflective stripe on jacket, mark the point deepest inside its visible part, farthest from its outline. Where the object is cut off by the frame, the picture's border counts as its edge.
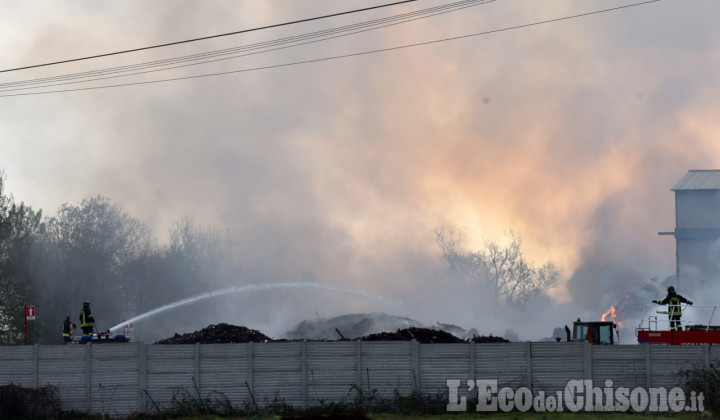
(674, 306)
(67, 327)
(86, 319)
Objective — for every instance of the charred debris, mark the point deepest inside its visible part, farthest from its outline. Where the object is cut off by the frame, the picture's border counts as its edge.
(225, 333)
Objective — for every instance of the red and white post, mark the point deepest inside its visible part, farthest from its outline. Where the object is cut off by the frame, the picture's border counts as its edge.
(29, 316)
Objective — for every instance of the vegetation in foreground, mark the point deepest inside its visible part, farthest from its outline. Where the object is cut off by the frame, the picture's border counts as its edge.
(44, 403)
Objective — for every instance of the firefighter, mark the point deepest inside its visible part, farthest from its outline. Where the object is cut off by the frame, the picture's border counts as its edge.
(87, 321)
(673, 301)
(68, 328)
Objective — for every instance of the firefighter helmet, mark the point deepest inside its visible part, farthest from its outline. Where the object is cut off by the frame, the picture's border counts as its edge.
(671, 289)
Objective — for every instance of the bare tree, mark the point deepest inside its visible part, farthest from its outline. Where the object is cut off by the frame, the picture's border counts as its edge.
(509, 273)
(193, 241)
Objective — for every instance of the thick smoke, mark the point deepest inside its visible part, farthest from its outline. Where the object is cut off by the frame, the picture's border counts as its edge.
(339, 172)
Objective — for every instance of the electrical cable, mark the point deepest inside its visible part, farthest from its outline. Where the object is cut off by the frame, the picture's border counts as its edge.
(369, 25)
(340, 56)
(206, 37)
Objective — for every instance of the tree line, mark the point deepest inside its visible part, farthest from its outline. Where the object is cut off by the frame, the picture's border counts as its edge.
(95, 251)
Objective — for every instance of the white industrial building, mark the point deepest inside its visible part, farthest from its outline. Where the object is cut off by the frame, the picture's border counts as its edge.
(697, 228)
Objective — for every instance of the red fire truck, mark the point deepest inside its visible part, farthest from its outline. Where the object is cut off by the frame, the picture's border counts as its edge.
(692, 333)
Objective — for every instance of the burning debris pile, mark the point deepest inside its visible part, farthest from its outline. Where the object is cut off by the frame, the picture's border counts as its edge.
(224, 333)
(360, 326)
(220, 333)
(350, 326)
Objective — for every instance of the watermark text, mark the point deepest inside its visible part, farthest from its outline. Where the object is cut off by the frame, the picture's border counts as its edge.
(578, 395)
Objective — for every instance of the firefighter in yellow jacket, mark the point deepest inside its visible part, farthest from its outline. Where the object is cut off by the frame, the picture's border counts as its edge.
(68, 328)
(673, 301)
(87, 321)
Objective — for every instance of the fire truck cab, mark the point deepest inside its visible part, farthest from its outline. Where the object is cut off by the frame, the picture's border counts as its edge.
(595, 332)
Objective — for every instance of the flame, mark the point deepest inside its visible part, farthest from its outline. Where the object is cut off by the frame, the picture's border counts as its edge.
(611, 315)
(610, 312)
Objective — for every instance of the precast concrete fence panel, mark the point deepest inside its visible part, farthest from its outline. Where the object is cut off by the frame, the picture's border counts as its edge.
(122, 378)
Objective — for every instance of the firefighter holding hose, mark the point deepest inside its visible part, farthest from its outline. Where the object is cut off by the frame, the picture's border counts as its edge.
(87, 321)
(673, 301)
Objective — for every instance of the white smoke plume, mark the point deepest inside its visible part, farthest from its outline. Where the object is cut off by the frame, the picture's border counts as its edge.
(339, 172)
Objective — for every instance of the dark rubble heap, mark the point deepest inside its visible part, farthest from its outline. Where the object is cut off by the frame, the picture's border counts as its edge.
(224, 333)
(488, 339)
(220, 333)
(422, 335)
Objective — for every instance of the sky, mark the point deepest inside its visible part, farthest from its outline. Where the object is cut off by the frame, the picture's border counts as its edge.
(339, 172)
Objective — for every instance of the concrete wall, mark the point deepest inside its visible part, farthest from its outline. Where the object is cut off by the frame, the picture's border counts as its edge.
(118, 379)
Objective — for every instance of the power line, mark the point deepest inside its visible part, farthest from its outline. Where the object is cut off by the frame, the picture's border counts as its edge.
(297, 40)
(341, 56)
(207, 37)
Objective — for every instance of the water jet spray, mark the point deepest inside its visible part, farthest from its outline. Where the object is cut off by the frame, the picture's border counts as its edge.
(251, 287)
